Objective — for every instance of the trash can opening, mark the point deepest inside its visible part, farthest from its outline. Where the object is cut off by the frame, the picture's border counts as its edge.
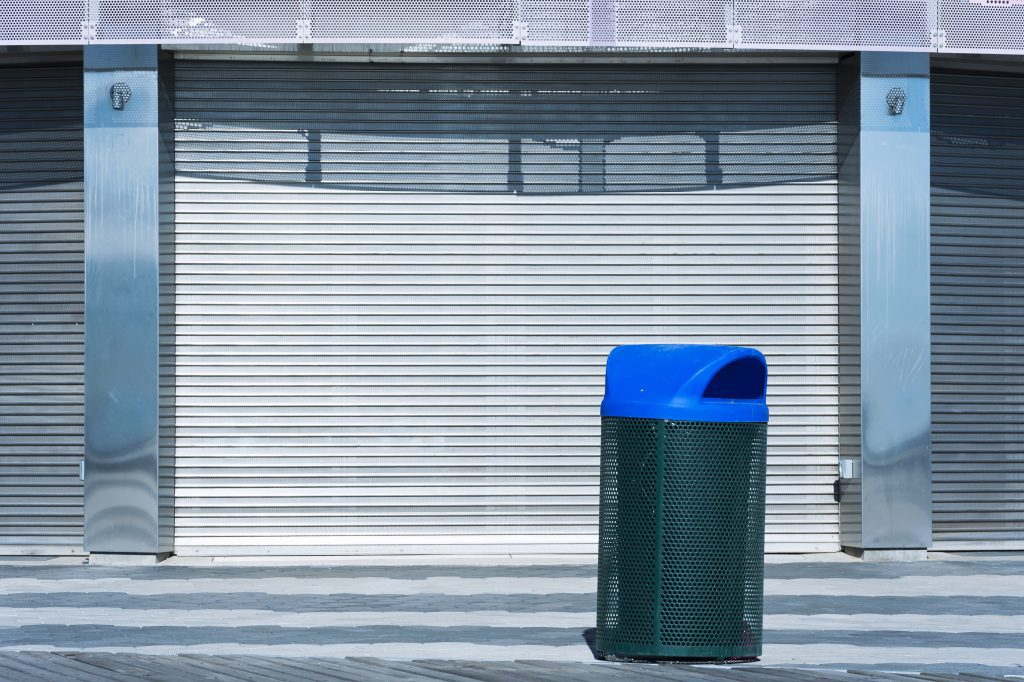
(743, 379)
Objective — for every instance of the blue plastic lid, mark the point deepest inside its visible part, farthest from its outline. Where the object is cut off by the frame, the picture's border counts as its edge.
(686, 383)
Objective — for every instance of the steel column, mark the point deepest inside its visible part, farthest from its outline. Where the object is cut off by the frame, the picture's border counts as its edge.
(884, 204)
(122, 220)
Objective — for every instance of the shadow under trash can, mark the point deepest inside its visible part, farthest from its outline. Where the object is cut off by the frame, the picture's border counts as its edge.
(681, 548)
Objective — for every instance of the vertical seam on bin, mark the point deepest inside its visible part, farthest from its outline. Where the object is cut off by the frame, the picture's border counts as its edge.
(659, 511)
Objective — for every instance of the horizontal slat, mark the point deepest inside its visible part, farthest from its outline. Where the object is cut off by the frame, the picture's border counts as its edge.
(978, 166)
(41, 310)
(345, 364)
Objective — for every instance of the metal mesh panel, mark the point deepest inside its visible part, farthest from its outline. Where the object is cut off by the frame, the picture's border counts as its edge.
(644, 22)
(980, 26)
(712, 553)
(838, 23)
(559, 22)
(448, 20)
(682, 534)
(626, 580)
(26, 22)
(195, 20)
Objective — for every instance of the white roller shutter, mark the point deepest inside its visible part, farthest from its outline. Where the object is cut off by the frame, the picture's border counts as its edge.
(41, 309)
(977, 309)
(391, 290)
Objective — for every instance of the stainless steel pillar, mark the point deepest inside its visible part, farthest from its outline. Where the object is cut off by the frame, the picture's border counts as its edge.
(124, 512)
(885, 357)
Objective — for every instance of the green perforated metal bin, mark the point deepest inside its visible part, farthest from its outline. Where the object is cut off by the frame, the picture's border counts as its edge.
(681, 550)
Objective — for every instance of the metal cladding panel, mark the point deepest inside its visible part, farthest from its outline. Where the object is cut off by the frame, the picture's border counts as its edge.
(977, 280)
(122, 214)
(894, 24)
(982, 25)
(390, 292)
(979, 26)
(41, 308)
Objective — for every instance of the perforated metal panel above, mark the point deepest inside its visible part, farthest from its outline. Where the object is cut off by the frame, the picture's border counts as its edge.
(387, 302)
(41, 308)
(977, 307)
(979, 26)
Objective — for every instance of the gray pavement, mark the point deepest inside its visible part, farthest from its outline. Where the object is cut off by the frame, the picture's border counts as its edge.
(939, 616)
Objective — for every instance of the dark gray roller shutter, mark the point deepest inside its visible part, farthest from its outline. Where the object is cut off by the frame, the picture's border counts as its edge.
(978, 309)
(391, 291)
(41, 308)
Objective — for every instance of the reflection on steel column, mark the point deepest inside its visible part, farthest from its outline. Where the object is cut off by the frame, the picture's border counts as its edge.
(886, 491)
(122, 218)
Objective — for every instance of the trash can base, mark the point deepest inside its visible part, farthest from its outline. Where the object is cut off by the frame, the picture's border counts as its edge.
(682, 654)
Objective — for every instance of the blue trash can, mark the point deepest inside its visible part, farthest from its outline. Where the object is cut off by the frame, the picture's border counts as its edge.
(681, 547)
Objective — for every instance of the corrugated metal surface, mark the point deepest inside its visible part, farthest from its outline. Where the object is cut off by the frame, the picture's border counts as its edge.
(41, 309)
(391, 291)
(977, 308)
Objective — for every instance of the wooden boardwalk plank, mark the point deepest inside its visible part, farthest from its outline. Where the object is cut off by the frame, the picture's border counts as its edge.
(16, 667)
(205, 665)
(711, 672)
(627, 671)
(127, 667)
(469, 671)
(206, 672)
(880, 676)
(172, 664)
(280, 668)
(342, 670)
(797, 675)
(561, 674)
(814, 674)
(527, 673)
(123, 664)
(682, 671)
(602, 671)
(239, 665)
(304, 668)
(72, 669)
(415, 668)
(476, 671)
(508, 670)
(367, 669)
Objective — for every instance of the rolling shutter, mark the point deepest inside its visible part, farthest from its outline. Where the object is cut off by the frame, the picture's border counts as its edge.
(391, 289)
(41, 309)
(977, 309)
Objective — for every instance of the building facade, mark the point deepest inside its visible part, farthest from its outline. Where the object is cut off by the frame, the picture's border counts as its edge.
(327, 298)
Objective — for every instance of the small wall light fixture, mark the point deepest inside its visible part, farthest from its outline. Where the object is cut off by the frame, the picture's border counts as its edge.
(896, 99)
(120, 93)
